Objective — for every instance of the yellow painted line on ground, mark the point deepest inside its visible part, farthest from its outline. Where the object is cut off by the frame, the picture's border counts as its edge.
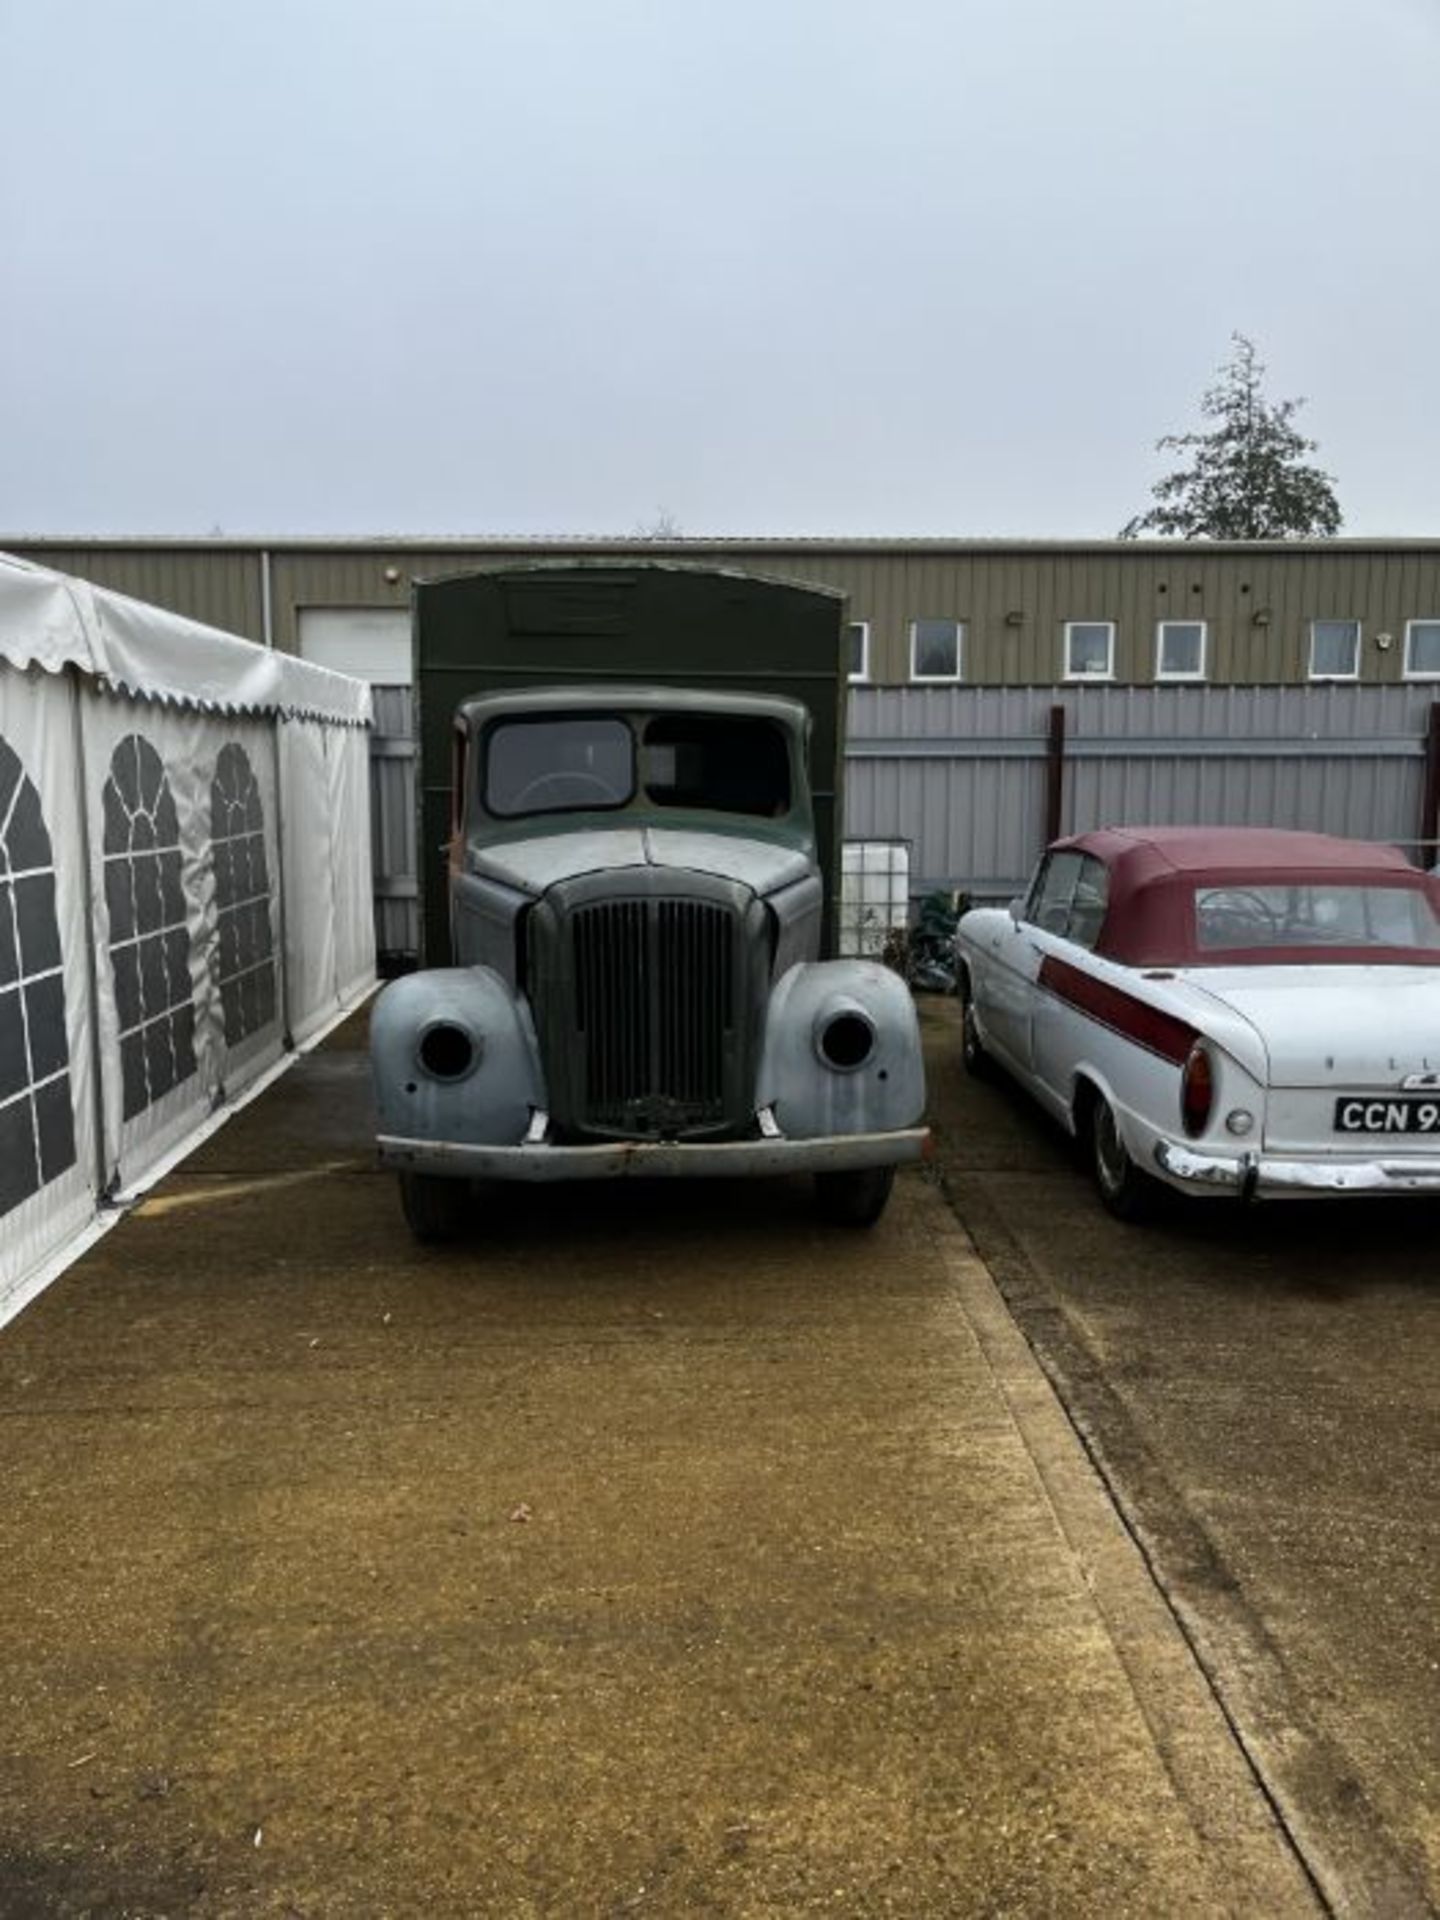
(161, 1204)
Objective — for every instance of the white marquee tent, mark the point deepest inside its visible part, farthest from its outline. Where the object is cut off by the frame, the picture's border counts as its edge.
(184, 888)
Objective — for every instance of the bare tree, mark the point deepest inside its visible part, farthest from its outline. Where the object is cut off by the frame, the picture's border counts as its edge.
(664, 526)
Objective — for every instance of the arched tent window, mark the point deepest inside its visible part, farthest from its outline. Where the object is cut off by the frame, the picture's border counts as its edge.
(37, 1128)
(245, 954)
(149, 935)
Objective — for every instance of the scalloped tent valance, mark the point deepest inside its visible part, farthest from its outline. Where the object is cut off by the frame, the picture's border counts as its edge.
(53, 621)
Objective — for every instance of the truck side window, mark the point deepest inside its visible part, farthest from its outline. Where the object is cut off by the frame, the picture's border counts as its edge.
(716, 763)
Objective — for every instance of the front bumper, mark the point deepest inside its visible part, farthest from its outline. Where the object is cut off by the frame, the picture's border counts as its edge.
(663, 1159)
(1259, 1176)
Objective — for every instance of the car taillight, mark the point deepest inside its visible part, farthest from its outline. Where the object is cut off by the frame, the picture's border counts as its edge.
(1197, 1090)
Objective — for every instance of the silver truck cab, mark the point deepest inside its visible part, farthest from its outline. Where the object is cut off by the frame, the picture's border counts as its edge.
(635, 913)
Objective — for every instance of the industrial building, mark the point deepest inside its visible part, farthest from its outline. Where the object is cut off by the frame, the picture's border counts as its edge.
(1003, 690)
(922, 612)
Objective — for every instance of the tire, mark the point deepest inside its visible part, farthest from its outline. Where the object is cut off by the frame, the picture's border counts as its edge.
(978, 1063)
(436, 1209)
(1124, 1189)
(853, 1199)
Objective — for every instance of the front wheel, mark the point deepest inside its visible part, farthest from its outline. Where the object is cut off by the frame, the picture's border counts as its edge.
(1124, 1189)
(854, 1199)
(435, 1208)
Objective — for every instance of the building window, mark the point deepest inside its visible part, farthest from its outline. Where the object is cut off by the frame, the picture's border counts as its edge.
(1334, 649)
(936, 649)
(1422, 649)
(1089, 649)
(857, 650)
(1180, 650)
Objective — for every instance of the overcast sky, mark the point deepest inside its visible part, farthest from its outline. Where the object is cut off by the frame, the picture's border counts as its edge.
(929, 267)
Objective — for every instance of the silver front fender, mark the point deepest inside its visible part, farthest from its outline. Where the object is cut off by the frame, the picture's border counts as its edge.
(491, 1103)
(813, 1099)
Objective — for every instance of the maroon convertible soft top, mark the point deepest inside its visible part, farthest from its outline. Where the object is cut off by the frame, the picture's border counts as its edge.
(1154, 872)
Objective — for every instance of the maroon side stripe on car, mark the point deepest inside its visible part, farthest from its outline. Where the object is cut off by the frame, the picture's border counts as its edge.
(1147, 1026)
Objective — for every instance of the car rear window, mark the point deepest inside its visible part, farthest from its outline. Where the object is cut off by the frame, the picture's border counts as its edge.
(1241, 915)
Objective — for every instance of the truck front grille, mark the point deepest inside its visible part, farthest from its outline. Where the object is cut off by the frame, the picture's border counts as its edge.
(655, 1014)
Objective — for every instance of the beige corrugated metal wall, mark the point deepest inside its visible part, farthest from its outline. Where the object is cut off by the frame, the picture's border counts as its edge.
(1013, 599)
(217, 584)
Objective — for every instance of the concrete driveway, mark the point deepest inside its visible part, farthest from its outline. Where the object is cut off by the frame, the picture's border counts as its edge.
(1261, 1389)
(656, 1552)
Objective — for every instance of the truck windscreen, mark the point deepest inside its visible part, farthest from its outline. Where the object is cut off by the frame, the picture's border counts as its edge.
(705, 761)
(558, 766)
(693, 762)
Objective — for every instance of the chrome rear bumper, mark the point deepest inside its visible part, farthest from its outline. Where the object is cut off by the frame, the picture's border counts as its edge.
(1258, 1176)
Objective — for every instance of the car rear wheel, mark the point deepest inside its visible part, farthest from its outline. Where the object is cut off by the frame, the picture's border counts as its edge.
(435, 1208)
(972, 1048)
(854, 1199)
(1124, 1190)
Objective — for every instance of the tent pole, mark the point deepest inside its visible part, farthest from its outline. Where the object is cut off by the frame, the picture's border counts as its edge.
(92, 969)
(287, 1036)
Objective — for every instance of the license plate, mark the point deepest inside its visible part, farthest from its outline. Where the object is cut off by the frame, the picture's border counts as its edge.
(1405, 1114)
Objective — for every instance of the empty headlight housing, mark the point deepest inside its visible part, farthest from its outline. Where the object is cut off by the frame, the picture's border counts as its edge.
(844, 1037)
(448, 1051)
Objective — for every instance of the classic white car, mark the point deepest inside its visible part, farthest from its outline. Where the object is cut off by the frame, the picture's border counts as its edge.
(1222, 1010)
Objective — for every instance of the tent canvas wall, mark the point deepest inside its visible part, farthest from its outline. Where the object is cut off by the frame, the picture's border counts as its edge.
(184, 887)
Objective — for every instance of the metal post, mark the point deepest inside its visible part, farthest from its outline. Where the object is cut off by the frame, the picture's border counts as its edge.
(1055, 775)
(1430, 805)
(267, 603)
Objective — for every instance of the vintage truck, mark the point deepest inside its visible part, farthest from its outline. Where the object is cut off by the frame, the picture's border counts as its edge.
(633, 902)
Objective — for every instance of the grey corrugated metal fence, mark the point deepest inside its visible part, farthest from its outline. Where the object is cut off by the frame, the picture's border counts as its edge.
(965, 773)
(392, 826)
